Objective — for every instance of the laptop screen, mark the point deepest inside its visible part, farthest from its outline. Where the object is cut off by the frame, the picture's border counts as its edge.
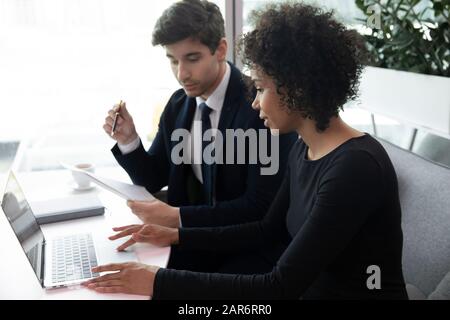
(24, 224)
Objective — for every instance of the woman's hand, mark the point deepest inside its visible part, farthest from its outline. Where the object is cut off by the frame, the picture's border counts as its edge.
(131, 278)
(151, 233)
(156, 212)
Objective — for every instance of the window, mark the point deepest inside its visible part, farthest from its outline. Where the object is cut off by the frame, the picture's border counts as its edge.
(345, 10)
(65, 63)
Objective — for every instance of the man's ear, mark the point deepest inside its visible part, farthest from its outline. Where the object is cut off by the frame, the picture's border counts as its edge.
(222, 49)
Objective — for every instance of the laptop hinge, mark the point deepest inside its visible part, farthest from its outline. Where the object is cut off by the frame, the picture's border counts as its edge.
(43, 262)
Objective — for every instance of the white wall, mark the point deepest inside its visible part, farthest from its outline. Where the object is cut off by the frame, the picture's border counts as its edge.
(419, 100)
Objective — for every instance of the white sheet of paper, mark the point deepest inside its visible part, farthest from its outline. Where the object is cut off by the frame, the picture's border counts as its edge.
(122, 189)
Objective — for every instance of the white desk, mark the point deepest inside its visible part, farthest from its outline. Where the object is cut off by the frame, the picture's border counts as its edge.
(17, 278)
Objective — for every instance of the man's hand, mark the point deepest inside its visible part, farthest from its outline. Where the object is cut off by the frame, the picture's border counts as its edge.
(150, 233)
(156, 212)
(125, 131)
(131, 278)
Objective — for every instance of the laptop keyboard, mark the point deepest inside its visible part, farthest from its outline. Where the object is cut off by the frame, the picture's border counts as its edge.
(73, 258)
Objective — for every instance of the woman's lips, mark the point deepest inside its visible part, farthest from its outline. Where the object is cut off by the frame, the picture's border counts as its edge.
(265, 119)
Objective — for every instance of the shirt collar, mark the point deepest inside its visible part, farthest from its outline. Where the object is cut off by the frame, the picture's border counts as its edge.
(216, 99)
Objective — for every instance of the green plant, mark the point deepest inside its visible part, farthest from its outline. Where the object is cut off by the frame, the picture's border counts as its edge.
(409, 35)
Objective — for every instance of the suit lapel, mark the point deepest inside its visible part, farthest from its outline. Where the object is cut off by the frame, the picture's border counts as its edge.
(232, 100)
(178, 184)
(186, 115)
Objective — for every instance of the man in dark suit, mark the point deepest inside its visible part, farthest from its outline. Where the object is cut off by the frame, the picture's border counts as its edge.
(213, 96)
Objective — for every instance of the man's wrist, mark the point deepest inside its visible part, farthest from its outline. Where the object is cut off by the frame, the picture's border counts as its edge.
(132, 138)
(130, 145)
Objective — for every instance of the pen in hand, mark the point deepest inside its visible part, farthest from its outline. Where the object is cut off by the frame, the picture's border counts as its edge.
(116, 115)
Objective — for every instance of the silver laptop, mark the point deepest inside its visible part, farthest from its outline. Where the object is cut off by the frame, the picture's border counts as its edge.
(60, 261)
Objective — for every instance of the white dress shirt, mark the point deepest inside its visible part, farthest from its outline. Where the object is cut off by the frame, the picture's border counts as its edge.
(215, 102)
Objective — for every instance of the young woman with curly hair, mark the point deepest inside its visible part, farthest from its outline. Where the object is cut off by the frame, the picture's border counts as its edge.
(338, 208)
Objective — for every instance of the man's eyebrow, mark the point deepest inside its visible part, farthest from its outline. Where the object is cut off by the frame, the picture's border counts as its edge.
(188, 55)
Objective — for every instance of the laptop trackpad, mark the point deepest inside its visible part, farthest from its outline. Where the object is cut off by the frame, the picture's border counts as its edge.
(107, 252)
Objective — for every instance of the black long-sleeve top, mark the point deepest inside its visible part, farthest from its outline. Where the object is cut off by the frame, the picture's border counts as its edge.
(342, 215)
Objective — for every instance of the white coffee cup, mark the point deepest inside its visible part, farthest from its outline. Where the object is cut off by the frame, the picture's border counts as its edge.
(80, 178)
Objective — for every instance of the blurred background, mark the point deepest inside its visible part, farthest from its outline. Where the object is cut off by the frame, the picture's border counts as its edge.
(64, 64)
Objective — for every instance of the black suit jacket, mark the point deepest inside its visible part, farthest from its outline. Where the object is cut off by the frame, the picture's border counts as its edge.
(242, 194)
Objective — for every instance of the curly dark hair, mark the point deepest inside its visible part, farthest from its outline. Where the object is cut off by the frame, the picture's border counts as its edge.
(313, 58)
(198, 19)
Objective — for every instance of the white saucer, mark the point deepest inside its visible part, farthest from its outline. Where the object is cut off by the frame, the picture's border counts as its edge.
(75, 187)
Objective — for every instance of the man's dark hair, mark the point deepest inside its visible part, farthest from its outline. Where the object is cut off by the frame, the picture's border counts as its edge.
(314, 60)
(197, 19)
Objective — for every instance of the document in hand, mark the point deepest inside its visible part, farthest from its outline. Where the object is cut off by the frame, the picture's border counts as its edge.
(122, 189)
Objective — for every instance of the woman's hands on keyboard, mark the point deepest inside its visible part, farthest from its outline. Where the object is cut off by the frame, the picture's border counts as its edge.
(129, 277)
(151, 233)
